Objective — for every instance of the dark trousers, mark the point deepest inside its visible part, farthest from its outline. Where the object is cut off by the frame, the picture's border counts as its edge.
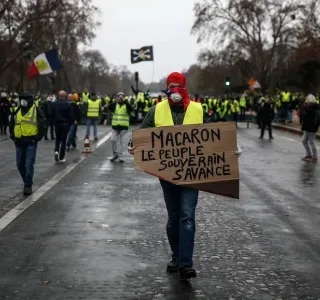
(25, 158)
(4, 120)
(62, 131)
(265, 124)
(181, 205)
(242, 113)
(72, 136)
(50, 124)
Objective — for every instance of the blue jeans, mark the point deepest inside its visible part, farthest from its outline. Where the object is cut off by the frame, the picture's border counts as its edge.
(72, 136)
(93, 122)
(181, 205)
(26, 157)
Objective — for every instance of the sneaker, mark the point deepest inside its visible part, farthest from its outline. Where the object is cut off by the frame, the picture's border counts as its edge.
(172, 266)
(187, 273)
(121, 160)
(114, 158)
(307, 158)
(27, 191)
(56, 156)
(314, 158)
(62, 160)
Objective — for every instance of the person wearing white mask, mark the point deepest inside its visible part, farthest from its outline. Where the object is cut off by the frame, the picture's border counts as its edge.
(27, 128)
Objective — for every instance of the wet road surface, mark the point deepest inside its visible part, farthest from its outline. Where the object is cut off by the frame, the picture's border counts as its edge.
(100, 233)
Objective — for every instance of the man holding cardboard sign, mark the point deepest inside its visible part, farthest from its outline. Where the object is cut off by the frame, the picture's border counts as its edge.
(184, 160)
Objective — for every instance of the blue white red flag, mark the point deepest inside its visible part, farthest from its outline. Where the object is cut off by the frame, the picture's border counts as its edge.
(45, 63)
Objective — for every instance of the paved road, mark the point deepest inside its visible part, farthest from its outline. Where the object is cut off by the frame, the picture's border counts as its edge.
(10, 181)
(99, 234)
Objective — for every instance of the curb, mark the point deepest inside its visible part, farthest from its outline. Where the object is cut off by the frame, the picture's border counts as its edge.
(291, 129)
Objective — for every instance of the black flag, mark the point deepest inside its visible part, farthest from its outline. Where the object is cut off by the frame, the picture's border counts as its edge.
(143, 54)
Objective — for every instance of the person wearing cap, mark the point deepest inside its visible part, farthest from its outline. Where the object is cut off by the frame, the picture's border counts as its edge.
(27, 127)
(121, 110)
(93, 112)
(180, 201)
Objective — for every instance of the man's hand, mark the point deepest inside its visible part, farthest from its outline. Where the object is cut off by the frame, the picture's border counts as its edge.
(239, 151)
(131, 148)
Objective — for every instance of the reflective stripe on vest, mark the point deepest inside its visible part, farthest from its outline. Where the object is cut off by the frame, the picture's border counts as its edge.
(163, 115)
(120, 116)
(93, 109)
(26, 125)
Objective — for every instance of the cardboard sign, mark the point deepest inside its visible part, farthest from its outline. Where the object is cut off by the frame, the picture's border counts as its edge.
(198, 156)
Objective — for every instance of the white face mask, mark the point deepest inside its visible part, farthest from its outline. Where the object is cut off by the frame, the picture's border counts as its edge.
(176, 97)
(24, 103)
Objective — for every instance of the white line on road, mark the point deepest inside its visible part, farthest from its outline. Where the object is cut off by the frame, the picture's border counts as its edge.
(20, 208)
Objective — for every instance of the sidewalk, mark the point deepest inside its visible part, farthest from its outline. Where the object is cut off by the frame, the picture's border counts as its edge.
(294, 127)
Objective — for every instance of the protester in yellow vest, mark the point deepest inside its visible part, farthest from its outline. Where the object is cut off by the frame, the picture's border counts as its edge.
(85, 95)
(177, 110)
(121, 110)
(93, 115)
(27, 128)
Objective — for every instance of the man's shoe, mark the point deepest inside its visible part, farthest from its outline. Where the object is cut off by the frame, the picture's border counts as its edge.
(314, 158)
(307, 158)
(27, 191)
(96, 139)
(187, 273)
(56, 156)
(121, 160)
(62, 160)
(114, 158)
(172, 266)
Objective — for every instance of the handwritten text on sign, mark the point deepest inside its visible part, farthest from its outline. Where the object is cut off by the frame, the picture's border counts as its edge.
(197, 154)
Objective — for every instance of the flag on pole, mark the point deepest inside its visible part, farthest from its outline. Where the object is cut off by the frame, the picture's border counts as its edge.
(143, 54)
(45, 63)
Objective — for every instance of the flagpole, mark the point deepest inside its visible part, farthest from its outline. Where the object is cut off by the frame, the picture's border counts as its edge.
(152, 75)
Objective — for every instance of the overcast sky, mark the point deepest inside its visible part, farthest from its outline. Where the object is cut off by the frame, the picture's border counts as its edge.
(131, 24)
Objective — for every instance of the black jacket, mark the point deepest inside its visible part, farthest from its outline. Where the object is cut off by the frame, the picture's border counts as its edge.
(42, 128)
(266, 112)
(310, 121)
(62, 112)
(76, 111)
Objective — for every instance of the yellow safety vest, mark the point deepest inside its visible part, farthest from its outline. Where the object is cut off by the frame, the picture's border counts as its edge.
(205, 107)
(285, 97)
(163, 115)
(85, 97)
(26, 125)
(235, 107)
(120, 116)
(243, 102)
(93, 108)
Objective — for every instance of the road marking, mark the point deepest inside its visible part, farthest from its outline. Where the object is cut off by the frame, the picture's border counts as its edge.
(25, 204)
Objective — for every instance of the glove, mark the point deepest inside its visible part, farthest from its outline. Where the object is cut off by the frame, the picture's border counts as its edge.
(131, 148)
(239, 151)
